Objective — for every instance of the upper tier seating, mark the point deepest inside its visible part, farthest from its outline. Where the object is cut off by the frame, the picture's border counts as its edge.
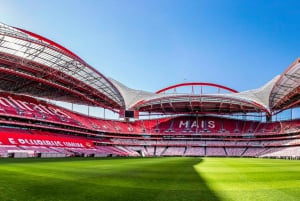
(25, 107)
(30, 108)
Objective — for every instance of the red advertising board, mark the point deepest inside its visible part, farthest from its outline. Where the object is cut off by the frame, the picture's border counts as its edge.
(43, 140)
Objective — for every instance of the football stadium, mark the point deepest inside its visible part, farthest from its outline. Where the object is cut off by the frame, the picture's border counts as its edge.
(188, 141)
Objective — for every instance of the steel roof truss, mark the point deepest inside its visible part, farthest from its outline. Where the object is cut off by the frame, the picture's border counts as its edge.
(295, 76)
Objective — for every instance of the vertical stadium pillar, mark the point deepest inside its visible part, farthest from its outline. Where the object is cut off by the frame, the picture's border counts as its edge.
(268, 118)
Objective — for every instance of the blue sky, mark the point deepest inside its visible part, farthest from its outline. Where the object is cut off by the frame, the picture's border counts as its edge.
(152, 44)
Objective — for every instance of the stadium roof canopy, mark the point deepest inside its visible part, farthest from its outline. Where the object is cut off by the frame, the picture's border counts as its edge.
(33, 65)
(219, 103)
(286, 91)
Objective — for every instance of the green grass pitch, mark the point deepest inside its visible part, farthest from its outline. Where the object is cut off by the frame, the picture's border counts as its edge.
(151, 179)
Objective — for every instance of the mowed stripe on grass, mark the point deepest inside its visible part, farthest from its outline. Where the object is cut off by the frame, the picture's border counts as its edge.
(161, 179)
